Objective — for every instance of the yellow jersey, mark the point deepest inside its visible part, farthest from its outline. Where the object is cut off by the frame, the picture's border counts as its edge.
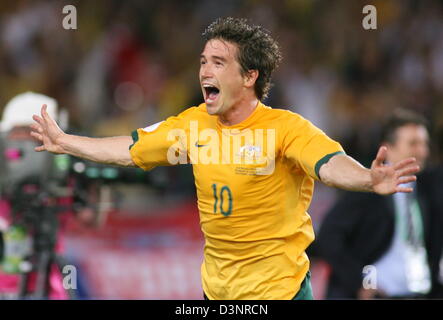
(254, 183)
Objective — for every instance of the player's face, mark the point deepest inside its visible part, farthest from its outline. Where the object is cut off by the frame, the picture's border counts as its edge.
(220, 76)
(411, 141)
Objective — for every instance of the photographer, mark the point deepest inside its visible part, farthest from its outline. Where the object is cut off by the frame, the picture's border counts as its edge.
(36, 200)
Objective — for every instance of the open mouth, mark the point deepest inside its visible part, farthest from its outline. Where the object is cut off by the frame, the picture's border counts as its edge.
(211, 93)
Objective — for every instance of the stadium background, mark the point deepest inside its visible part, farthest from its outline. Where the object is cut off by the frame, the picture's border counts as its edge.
(133, 63)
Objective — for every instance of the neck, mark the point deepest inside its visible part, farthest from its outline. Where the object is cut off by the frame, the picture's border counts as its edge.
(238, 112)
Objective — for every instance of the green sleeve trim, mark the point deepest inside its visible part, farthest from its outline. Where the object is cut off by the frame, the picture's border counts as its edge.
(134, 135)
(323, 160)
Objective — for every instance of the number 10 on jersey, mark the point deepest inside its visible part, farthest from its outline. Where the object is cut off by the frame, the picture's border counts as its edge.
(220, 196)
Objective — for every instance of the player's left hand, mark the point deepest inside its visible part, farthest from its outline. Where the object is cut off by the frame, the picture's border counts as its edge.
(386, 179)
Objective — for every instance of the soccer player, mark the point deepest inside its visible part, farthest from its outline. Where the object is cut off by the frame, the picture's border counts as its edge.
(254, 167)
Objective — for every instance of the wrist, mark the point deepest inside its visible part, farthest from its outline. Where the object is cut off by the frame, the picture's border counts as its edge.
(62, 142)
(368, 183)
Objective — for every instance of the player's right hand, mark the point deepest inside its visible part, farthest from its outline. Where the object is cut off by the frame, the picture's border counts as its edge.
(46, 130)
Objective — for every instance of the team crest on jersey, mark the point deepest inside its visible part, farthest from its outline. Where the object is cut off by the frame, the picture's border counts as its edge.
(252, 161)
(250, 152)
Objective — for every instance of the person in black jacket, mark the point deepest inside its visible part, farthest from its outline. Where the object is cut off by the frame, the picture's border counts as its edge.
(391, 240)
(433, 185)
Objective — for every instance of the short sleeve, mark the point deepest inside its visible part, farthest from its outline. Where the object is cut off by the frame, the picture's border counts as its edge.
(308, 146)
(153, 144)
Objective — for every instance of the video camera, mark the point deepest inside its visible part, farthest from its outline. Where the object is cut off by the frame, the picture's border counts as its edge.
(35, 182)
(38, 186)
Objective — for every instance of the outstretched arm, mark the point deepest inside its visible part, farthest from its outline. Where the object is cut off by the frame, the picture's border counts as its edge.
(113, 150)
(343, 172)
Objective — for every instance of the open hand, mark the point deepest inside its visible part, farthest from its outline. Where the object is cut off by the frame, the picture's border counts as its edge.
(47, 132)
(386, 179)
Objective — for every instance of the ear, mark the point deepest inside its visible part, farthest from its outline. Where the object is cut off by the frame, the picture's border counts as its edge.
(388, 146)
(250, 78)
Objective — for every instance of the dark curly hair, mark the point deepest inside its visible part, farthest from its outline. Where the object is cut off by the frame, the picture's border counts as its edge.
(256, 49)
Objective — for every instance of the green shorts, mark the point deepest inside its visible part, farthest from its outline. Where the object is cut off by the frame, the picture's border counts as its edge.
(305, 292)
